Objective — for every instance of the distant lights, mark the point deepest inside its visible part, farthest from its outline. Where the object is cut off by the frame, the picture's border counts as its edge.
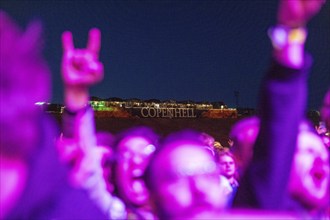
(41, 103)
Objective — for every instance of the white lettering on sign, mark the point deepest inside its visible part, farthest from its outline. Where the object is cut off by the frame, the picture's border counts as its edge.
(149, 112)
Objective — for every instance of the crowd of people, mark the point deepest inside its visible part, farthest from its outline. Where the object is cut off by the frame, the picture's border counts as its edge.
(277, 165)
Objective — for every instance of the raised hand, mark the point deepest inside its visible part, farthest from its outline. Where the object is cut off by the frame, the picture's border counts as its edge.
(296, 13)
(81, 67)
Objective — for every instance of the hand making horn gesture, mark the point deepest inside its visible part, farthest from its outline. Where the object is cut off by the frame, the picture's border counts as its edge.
(81, 68)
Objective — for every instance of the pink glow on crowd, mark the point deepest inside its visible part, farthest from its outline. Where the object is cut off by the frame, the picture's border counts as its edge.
(134, 154)
(13, 177)
(310, 170)
(181, 178)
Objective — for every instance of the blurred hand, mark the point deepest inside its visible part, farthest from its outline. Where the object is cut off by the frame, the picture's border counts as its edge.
(230, 142)
(81, 67)
(296, 13)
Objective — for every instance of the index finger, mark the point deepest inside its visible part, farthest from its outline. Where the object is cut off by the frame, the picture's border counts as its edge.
(67, 41)
(94, 41)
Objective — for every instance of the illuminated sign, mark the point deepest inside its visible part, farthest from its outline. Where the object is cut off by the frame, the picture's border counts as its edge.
(150, 112)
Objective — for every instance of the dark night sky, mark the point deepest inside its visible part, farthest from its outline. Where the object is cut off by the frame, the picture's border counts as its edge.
(182, 50)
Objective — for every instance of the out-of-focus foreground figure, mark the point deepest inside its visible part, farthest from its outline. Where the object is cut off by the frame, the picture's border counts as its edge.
(25, 79)
(289, 168)
(33, 183)
(183, 178)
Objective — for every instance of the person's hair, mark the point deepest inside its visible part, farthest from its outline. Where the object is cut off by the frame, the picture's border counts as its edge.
(226, 153)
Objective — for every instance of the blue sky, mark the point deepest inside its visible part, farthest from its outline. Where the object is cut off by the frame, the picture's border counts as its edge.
(182, 50)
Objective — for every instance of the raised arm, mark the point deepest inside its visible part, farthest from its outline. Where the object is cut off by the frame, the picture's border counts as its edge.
(81, 69)
(282, 105)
